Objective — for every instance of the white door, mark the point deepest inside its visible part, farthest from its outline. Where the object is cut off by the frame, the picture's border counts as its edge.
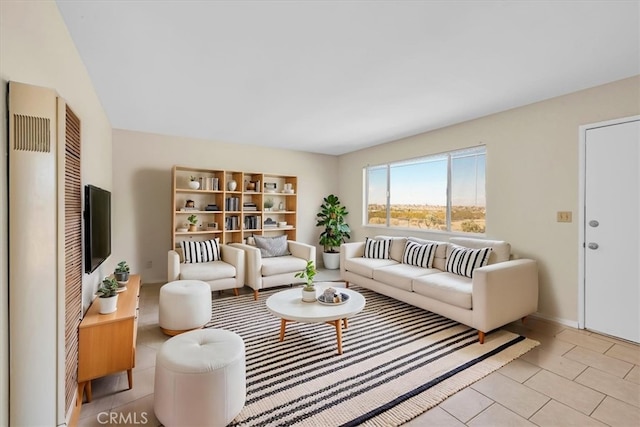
(612, 233)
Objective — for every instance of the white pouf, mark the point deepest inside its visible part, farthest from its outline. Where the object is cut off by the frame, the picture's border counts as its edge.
(184, 305)
(200, 379)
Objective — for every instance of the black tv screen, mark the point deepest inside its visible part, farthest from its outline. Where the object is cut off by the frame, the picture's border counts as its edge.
(97, 227)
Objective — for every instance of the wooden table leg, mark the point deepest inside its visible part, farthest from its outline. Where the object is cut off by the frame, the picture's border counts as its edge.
(283, 326)
(338, 325)
(87, 389)
(130, 378)
(346, 324)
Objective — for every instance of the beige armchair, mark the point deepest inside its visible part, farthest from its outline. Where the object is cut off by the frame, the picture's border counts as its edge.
(227, 273)
(261, 272)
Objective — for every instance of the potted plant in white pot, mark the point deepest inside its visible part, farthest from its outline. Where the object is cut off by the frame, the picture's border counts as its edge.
(308, 290)
(121, 273)
(108, 295)
(336, 230)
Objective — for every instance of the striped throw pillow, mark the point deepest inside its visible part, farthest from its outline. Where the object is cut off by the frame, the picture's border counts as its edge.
(418, 254)
(378, 249)
(462, 261)
(195, 252)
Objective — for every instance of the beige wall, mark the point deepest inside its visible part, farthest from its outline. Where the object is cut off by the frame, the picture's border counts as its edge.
(35, 48)
(142, 189)
(532, 172)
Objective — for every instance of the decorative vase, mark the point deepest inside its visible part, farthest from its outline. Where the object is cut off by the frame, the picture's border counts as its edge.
(194, 185)
(108, 305)
(232, 185)
(309, 296)
(121, 278)
(331, 260)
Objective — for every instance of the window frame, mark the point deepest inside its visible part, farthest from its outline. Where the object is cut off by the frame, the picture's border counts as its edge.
(477, 150)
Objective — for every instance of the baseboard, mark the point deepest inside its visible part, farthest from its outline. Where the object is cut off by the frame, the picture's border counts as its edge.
(565, 322)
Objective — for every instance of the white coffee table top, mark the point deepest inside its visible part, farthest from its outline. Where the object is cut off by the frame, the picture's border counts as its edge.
(289, 305)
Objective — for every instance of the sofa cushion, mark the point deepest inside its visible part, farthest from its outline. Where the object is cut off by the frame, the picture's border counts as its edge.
(400, 275)
(446, 287)
(366, 266)
(282, 264)
(418, 254)
(376, 248)
(500, 250)
(272, 246)
(463, 261)
(207, 271)
(397, 246)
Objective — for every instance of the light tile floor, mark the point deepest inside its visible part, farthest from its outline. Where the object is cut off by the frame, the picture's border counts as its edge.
(573, 378)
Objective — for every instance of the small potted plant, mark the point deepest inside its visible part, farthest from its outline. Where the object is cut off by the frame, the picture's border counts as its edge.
(108, 295)
(193, 220)
(121, 273)
(308, 290)
(194, 184)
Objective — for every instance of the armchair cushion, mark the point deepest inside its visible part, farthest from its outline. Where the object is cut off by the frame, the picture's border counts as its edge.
(272, 246)
(283, 264)
(207, 271)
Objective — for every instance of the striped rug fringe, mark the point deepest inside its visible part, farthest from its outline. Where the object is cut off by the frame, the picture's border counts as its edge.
(398, 362)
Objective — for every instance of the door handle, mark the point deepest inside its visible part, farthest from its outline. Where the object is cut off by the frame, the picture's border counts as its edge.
(592, 245)
(594, 223)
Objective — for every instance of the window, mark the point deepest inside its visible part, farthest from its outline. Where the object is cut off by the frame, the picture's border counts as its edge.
(440, 192)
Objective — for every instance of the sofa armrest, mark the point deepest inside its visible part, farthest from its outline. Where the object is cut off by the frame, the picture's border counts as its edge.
(350, 250)
(173, 266)
(302, 250)
(235, 257)
(253, 265)
(504, 292)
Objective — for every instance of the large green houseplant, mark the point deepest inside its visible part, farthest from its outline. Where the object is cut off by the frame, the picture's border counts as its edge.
(332, 218)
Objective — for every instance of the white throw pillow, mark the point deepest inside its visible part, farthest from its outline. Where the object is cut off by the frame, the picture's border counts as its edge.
(272, 246)
(463, 261)
(418, 254)
(378, 249)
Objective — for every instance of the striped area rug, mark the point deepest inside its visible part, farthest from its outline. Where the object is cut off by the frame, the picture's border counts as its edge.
(398, 362)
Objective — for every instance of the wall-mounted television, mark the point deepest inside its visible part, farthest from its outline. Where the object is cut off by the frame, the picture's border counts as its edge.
(97, 227)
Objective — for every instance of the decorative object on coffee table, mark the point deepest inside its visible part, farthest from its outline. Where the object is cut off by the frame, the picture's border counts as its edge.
(308, 290)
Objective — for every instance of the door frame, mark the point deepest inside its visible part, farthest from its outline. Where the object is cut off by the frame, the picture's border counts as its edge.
(582, 140)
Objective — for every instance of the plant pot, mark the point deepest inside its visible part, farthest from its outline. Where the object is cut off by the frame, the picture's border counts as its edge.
(121, 278)
(331, 260)
(108, 305)
(194, 185)
(193, 227)
(308, 296)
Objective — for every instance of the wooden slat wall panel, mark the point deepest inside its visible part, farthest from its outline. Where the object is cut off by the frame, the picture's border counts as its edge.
(73, 252)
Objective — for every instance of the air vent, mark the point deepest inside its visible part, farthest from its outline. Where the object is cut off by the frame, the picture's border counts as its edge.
(32, 134)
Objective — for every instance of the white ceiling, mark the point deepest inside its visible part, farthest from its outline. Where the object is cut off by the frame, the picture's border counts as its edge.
(337, 76)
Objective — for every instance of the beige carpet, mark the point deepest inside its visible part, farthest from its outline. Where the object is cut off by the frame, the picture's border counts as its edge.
(398, 362)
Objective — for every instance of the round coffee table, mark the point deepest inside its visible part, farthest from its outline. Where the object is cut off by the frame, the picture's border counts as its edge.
(289, 307)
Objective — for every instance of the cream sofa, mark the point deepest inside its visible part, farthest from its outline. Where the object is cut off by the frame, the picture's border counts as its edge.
(501, 292)
(268, 272)
(227, 273)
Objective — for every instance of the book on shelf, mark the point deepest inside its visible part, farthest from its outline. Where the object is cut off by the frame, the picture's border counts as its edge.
(213, 207)
(188, 209)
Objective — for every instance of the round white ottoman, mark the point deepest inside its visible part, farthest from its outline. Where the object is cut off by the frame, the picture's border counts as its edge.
(200, 379)
(184, 305)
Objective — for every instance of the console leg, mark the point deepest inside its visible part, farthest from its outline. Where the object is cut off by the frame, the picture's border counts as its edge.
(481, 337)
